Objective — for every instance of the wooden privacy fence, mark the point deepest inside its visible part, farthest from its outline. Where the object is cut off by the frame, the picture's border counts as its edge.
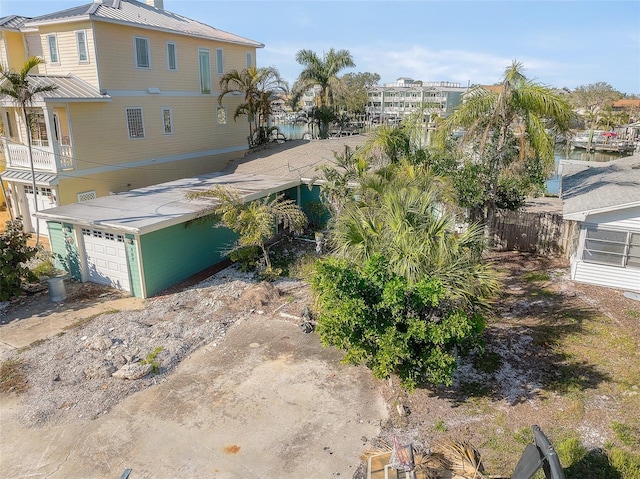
(543, 233)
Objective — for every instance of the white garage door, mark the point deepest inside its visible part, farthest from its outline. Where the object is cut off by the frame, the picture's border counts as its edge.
(106, 258)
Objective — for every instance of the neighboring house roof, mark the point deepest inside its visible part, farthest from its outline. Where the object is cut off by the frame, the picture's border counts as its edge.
(13, 22)
(592, 187)
(492, 88)
(156, 207)
(132, 12)
(69, 89)
(627, 103)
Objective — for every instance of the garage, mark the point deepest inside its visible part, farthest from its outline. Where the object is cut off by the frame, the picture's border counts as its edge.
(146, 240)
(106, 258)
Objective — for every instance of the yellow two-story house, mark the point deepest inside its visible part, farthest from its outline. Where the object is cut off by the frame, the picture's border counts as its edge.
(136, 102)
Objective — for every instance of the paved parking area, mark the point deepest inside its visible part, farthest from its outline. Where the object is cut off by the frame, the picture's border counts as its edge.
(267, 402)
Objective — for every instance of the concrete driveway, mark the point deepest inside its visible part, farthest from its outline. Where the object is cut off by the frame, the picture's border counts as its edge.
(267, 402)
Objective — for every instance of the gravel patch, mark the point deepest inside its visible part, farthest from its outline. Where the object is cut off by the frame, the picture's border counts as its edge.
(71, 376)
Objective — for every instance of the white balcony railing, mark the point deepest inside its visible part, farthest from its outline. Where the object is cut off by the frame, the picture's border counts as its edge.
(44, 158)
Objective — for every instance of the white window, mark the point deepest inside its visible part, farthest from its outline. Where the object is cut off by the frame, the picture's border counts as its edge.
(167, 121)
(248, 59)
(222, 115)
(135, 123)
(52, 41)
(86, 196)
(205, 71)
(83, 52)
(143, 52)
(616, 248)
(172, 56)
(219, 61)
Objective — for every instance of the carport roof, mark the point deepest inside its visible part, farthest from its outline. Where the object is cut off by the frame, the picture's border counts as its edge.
(156, 207)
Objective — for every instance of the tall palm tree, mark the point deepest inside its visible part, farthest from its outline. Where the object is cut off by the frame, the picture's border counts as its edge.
(322, 72)
(259, 87)
(17, 86)
(508, 125)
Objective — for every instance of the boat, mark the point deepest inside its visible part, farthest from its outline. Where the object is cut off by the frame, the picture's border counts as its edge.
(602, 141)
(582, 139)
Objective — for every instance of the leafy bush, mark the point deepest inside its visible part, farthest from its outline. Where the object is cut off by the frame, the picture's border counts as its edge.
(381, 320)
(14, 253)
(247, 257)
(626, 434)
(627, 464)
(45, 268)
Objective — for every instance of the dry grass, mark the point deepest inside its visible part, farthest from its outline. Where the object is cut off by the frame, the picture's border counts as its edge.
(449, 459)
(12, 377)
(568, 362)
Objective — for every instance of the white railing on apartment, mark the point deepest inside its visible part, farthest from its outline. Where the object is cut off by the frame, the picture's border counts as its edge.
(17, 156)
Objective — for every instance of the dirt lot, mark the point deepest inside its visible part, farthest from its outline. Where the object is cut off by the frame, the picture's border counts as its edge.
(558, 354)
(561, 355)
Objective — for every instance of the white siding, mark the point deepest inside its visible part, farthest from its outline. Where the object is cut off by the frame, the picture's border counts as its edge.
(614, 277)
(602, 275)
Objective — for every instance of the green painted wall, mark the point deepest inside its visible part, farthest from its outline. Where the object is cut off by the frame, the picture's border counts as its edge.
(131, 249)
(64, 247)
(175, 253)
(313, 206)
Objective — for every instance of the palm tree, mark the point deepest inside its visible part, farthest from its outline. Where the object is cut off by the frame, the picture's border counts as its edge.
(258, 87)
(255, 222)
(17, 86)
(508, 125)
(404, 215)
(322, 72)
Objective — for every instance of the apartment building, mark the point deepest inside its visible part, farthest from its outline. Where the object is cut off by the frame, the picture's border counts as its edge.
(136, 102)
(395, 101)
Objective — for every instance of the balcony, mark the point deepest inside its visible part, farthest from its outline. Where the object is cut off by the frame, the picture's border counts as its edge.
(45, 158)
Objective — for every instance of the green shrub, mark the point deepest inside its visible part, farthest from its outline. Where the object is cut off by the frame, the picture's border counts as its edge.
(570, 451)
(627, 464)
(247, 257)
(304, 267)
(151, 359)
(440, 426)
(626, 434)
(536, 276)
(380, 320)
(45, 268)
(14, 253)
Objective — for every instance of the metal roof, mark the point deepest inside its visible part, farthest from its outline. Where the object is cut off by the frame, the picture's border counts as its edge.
(13, 22)
(140, 14)
(591, 187)
(156, 207)
(22, 176)
(69, 88)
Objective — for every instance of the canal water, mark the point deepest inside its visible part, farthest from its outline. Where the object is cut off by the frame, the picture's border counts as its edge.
(292, 131)
(296, 132)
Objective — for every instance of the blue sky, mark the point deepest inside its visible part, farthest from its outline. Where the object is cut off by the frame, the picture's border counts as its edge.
(561, 44)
